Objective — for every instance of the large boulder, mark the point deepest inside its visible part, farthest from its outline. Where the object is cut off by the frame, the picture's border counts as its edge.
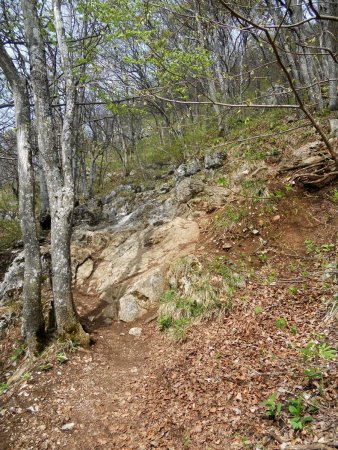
(131, 270)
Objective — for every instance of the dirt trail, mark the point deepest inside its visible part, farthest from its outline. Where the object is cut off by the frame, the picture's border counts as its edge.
(92, 394)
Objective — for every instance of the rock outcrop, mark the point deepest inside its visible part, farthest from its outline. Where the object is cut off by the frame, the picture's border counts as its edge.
(131, 267)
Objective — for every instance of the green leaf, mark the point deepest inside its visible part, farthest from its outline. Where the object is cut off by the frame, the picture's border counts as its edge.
(293, 410)
(296, 423)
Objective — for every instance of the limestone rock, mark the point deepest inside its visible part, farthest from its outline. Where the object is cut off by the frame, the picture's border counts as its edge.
(214, 161)
(68, 426)
(82, 214)
(6, 318)
(188, 169)
(129, 308)
(135, 331)
(84, 271)
(13, 282)
(187, 189)
(130, 276)
(218, 196)
(308, 154)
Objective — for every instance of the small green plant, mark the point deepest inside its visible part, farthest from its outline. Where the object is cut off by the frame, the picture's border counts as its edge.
(326, 247)
(310, 246)
(45, 366)
(61, 358)
(277, 194)
(230, 217)
(270, 278)
(223, 181)
(263, 257)
(296, 409)
(288, 187)
(26, 376)
(164, 322)
(312, 374)
(326, 352)
(334, 195)
(18, 352)
(257, 310)
(317, 350)
(186, 441)
(292, 290)
(3, 388)
(179, 328)
(9, 233)
(273, 408)
(293, 329)
(313, 248)
(281, 323)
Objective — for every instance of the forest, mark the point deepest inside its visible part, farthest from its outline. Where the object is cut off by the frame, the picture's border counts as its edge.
(161, 162)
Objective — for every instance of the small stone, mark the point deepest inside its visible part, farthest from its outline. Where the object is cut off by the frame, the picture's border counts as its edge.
(164, 188)
(276, 218)
(226, 246)
(255, 232)
(68, 426)
(33, 408)
(136, 331)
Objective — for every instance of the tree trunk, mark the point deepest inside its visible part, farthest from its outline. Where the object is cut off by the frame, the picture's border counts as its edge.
(58, 173)
(330, 41)
(33, 320)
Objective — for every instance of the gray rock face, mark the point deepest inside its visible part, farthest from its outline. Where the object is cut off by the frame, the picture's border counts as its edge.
(6, 318)
(214, 161)
(113, 194)
(132, 262)
(84, 271)
(187, 189)
(13, 281)
(303, 156)
(188, 169)
(164, 188)
(83, 215)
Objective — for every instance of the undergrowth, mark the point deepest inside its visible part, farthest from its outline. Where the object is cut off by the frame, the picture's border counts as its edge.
(196, 291)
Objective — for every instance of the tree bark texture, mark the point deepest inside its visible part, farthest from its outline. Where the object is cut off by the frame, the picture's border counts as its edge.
(33, 320)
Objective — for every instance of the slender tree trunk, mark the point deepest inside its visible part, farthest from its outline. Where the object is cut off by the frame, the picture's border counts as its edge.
(33, 320)
(58, 173)
(330, 41)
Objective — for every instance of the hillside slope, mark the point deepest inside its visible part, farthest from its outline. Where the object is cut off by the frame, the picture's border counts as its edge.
(249, 316)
